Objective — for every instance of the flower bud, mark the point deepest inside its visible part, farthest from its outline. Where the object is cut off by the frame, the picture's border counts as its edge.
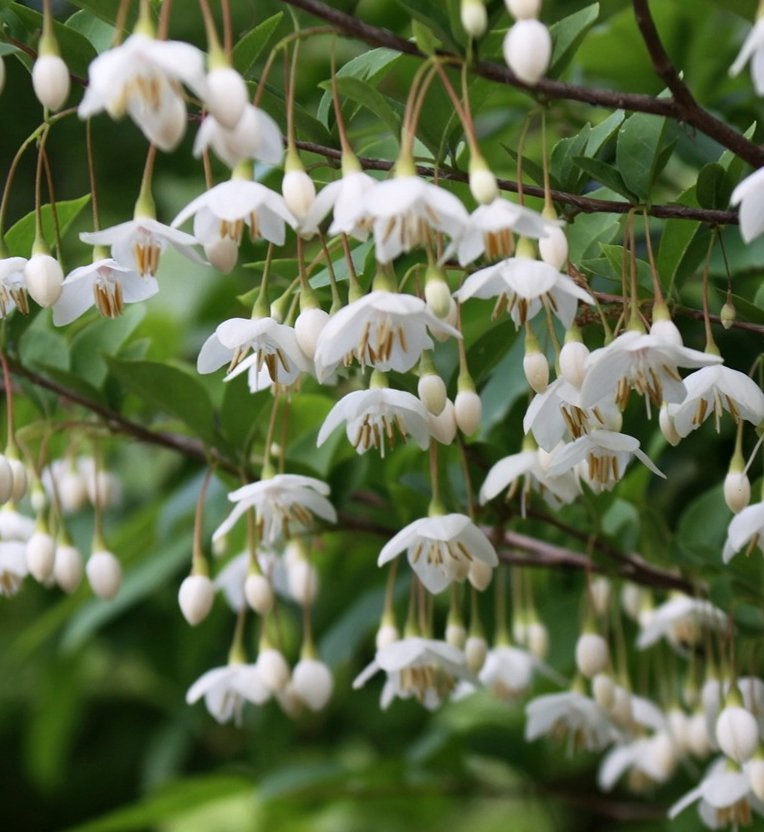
(538, 639)
(195, 598)
(456, 635)
(528, 50)
(592, 654)
(307, 328)
(50, 79)
(599, 592)
(432, 393)
(662, 755)
(222, 252)
(480, 574)
(554, 247)
(474, 17)
(523, 9)
(302, 580)
(697, 735)
(226, 96)
(67, 569)
(756, 777)
(468, 411)
(737, 491)
(386, 634)
(633, 599)
(621, 710)
(41, 555)
(483, 185)
(6, 479)
(299, 192)
(259, 593)
(475, 649)
(573, 356)
(737, 733)
(728, 314)
(273, 669)
(312, 681)
(603, 691)
(437, 293)
(43, 277)
(38, 498)
(20, 480)
(536, 369)
(679, 727)
(104, 574)
(666, 424)
(72, 490)
(443, 426)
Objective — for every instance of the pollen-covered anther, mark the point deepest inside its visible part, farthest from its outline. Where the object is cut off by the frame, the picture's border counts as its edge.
(108, 298)
(418, 680)
(147, 258)
(232, 230)
(499, 245)
(254, 227)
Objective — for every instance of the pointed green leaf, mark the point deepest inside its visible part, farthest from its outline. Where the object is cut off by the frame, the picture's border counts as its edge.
(567, 34)
(250, 47)
(20, 235)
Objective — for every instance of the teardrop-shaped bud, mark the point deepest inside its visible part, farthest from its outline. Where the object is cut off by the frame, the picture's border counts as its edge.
(44, 276)
(536, 369)
(273, 668)
(573, 356)
(308, 327)
(20, 479)
(432, 393)
(603, 690)
(437, 293)
(6, 479)
(483, 185)
(226, 96)
(474, 17)
(299, 192)
(195, 598)
(386, 634)
(528, 50)
(737, 491)
(475, 649)
(72, 491)
(523, 9)
(259, 593)
(443, 426)
(104, 574)
(456, 635)
(50, 79)
(538, 639)
(302, 580)
(313, 682)
(592, 654)
(554, 247)
(67, 569)
(41, 555)
(737, 733)
(468, 411)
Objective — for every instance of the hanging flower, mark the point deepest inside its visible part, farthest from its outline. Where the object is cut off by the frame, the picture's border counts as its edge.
(13, 286)
(13, 566)
(570, 714)
(343, 198)
(255, 136)
(649, 761)
(226, 689)
(508, 671)
(680, 621)
(745, 529)
(752, 50)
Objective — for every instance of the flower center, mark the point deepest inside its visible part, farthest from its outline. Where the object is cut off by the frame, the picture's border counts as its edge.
(498, 245)
(375, 429)
(107, 295)
(146, 251)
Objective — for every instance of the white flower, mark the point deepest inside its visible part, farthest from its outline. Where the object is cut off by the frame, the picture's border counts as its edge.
(141, 77)
(489, 231)
(105, 284)
(441, 549)
(713, 390)
(423, 668)
(607, 454)
(405, 212)
(283, 504)
(13, 566)
(225, 689)
(374, 417)
(224, 210)
(752, 50)
(524, 285)
(648, 760)
(386, 330)
(749, 194)
(725, 797)
(645, 363)
(343, 197)
(255, 136)
(15, 526)
(13, 286)
(253, 344)
(508, 671)
(745, 529)
(679, 620)
(570, 714)
(138, 243)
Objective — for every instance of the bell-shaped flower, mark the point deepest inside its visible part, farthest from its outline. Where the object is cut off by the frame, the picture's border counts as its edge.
(255, 136)
(103, 284)
(680, 620)
(649, 761)
(251, 345)
(746, 530)
(141, 77)
(343, 198)
(13, 566)
(385, 330)
(283, 504)
(713, 390)
(585, 723)
(752, 50)
(441, 549)
(417, 667)
(508, 671)
(226, 689)
(138, 243)
(13, 286)
(376, 417)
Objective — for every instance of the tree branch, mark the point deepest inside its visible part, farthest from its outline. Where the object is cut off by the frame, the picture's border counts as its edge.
(670, 107)
(582, 204)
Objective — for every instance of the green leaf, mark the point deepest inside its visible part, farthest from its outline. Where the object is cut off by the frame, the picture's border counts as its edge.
(424, 38)
(746, 311)
(711, 188)
(604, 173)
(20, 235)
(362, 92)
(561, 164)
(249, 48)
(97, 31)
(106, 10)
(567, 34)
(530, 167)
(241, 411)
(8, 49)
(638, 149)
(603, 132)
(169, 389)
(430, 23)
(75, 48)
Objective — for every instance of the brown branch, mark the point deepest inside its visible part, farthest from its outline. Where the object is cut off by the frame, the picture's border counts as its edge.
(668, 107)
(582, 204)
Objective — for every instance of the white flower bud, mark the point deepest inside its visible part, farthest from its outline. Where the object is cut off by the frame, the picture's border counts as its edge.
(41, 555)
(474, 17)
(438, 295)
(443, 426)
(480, 574)
(737, 491)
(195, 598)
(386, 634)
(6, 479)
(554, 247)
(592, 654)
(312, 681)
(599, 592)
(38, 499)
(679, 728)
(633, 600)
(523, 9)
(299, 192)
(50, 79)
(475, 649)
(104, 574)
(536, 369)
(72, 490)
(756, 777)
(273, 669)
(666, 424)
(456, 635)
(603, 691)
(621, 709)
(572, 357)
(483, 185)
(43, 277)
(20, 480)
(538, 639)
(226, 96)
(528, 50)
(432, 393)
(468, 410)
(697, 735)
(307, 328)
(728, 314)
(302, 580)
(662, 756)
(259, 593)
(222, 252)
(67, 569)
(737, 733)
